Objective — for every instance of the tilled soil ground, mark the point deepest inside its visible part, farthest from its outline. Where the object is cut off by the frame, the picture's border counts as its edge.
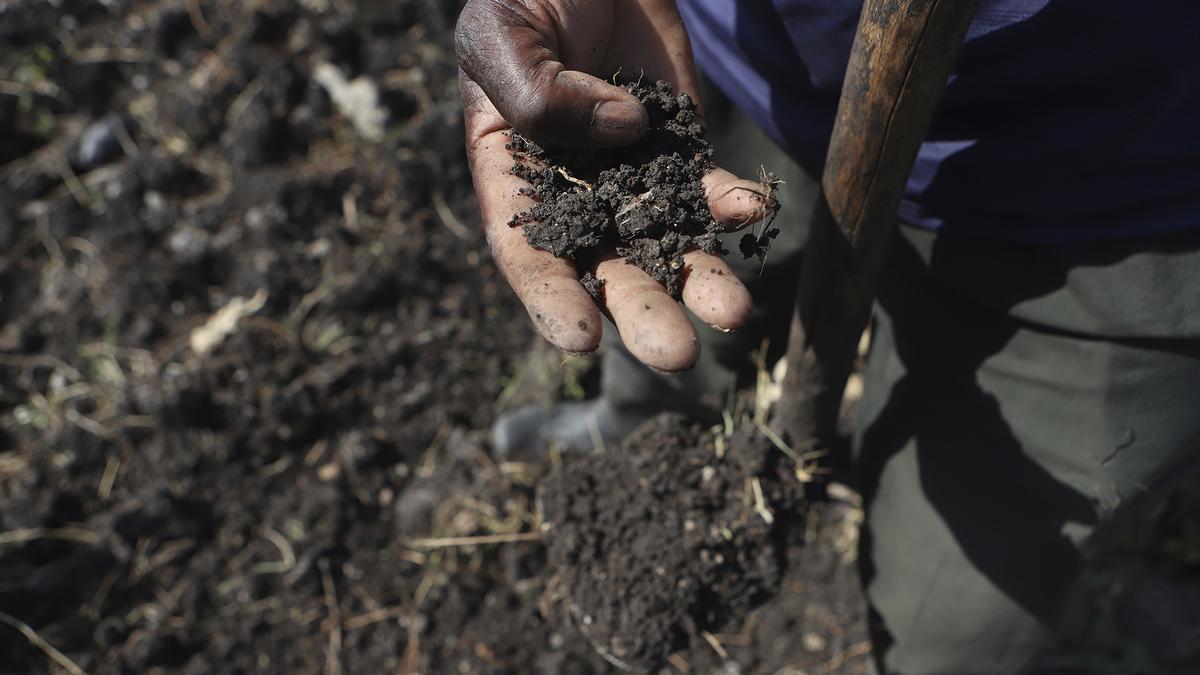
(678, 532)
(248, 340)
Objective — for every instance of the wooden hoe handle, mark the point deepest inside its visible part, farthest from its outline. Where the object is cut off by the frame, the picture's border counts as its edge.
(902, 56)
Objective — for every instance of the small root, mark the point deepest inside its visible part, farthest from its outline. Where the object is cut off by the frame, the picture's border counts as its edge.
(582, 183)
(631, 205)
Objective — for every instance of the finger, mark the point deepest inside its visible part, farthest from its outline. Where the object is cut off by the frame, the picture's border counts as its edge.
(561, 309)
(737, 202)
(652, 326)
(511, 50)
(713, 292)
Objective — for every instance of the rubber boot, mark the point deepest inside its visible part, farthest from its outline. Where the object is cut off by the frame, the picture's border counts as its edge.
(630, 393)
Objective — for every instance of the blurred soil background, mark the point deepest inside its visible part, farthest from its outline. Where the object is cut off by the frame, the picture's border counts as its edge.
(250, 343)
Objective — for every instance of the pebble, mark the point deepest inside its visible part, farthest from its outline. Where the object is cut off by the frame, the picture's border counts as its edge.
(188, 243)
(328, 472)
(155, 201)
(98, 145)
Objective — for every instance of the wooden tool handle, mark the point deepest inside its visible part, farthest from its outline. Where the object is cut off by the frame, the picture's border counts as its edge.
(901, 59)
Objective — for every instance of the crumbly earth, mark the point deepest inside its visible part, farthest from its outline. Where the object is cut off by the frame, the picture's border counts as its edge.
(645, 201)
(668, 536)
(252, 509)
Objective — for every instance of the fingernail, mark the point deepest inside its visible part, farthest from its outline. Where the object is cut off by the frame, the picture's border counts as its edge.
(618, 122)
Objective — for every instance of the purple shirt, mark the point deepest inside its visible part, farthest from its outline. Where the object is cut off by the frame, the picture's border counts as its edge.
(1064, 120)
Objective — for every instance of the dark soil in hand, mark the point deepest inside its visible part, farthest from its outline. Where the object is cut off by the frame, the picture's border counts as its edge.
(645, 202)
(669, 536)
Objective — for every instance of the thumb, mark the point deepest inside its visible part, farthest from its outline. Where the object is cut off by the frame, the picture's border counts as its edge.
(511, 52)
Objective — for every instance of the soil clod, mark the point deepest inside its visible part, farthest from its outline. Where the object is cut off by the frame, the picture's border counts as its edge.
(663, 540)
(645, 201)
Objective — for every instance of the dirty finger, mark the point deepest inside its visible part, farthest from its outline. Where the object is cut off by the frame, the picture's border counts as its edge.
(713, 293)
(737, 202)
(652, 325)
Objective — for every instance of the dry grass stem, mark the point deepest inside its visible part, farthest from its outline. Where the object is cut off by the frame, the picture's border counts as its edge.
(760, 502)
(412, 651)
(287, 556)
(450, 542)
(597, 439)
(373, 616)
(715, 644)
(333, 653)
(447, 216)
(777, 441)
(350, 211)
(244, 98)
(37, 641)
(197, 18)
(845, 656)
(108, 478)
(78, 534)
(679, 663)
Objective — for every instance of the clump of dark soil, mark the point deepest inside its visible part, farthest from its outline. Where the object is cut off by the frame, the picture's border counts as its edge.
(644, 201)
(673, 534)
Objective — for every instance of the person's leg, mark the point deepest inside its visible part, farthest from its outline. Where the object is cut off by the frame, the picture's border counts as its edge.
(993, 452)
(630, 392)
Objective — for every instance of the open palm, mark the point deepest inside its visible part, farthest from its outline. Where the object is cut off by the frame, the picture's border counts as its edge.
(537, 66)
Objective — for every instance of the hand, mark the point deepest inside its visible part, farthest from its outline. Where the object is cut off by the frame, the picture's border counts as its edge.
(532, 65)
